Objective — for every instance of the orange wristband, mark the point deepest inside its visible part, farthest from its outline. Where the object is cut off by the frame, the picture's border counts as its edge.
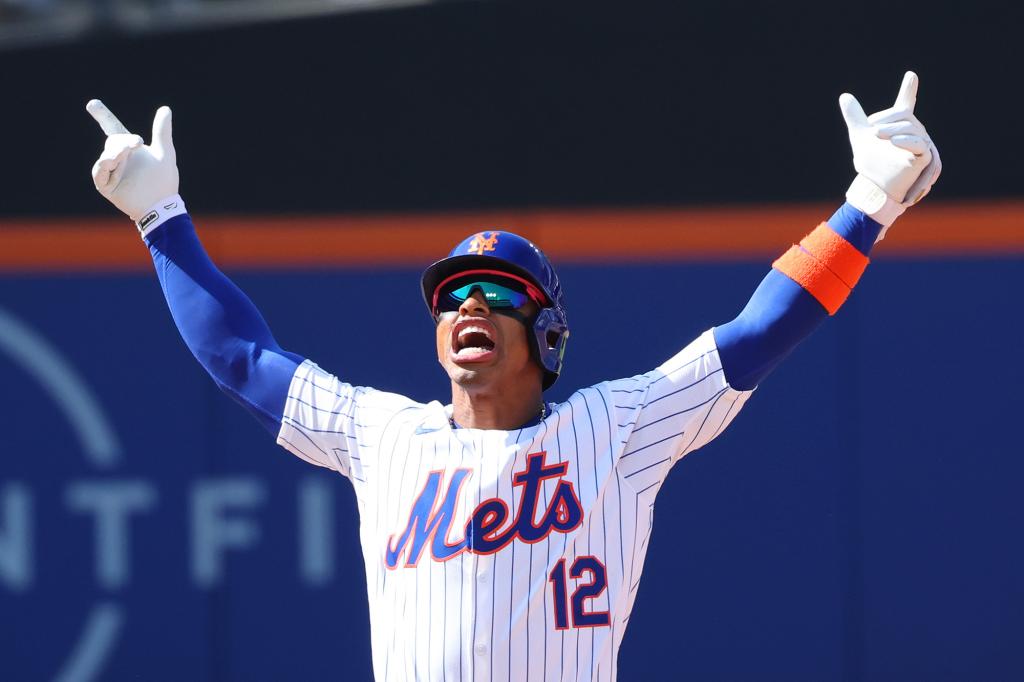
(824, 264)
(836, 254)
(819, 281)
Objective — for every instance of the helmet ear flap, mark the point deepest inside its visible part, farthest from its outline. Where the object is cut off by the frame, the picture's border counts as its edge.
(550, 335)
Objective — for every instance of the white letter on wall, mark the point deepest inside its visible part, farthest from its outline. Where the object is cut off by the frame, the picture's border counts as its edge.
(316, 531)
(213, 532)
(112, 502)
(16, 537)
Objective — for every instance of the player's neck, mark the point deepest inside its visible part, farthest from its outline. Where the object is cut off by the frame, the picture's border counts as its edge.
(497, 409)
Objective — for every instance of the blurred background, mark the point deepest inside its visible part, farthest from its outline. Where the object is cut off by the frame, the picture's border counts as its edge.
(862, 520)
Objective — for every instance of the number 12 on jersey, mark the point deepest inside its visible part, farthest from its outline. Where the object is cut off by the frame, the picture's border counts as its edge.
(598, 581)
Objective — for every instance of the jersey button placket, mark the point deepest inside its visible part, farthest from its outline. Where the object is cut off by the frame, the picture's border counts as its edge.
(483, 610)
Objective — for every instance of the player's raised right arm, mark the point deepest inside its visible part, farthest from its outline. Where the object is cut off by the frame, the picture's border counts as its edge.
(218, 322)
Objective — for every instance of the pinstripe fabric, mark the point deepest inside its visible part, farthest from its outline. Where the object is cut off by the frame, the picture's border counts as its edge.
(451, 607)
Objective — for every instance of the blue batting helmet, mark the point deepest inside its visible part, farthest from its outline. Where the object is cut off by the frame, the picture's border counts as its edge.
(509, 253)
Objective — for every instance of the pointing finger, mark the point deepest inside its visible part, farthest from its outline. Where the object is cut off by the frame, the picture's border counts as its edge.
(108, 122)
(908, 92)
(853, 112)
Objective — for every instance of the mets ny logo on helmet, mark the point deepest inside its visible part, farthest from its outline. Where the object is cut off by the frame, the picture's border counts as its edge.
(481, 243)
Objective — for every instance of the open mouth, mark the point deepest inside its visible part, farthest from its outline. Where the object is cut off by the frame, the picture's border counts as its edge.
(472, 340)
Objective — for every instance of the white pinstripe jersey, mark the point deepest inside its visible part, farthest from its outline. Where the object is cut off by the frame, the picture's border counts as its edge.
(507, 555)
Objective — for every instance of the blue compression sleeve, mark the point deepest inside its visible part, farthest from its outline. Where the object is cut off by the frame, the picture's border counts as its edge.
(781, 313)
(220, 325)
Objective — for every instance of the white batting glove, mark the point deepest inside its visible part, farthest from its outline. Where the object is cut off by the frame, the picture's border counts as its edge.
(140, 180)
(896, 161)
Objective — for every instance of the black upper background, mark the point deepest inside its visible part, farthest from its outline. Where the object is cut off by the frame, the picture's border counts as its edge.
(489, 104)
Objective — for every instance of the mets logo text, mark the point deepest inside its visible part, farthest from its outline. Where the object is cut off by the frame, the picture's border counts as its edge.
(429, 523)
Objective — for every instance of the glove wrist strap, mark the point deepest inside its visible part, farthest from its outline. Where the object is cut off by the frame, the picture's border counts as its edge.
(868, 197)
(159, 213)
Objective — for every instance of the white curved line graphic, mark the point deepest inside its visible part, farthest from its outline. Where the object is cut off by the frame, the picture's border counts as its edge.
(98, 637)
(102, 449)
(60, 380)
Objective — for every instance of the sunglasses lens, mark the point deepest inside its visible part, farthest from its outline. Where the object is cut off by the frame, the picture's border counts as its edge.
(499, 296)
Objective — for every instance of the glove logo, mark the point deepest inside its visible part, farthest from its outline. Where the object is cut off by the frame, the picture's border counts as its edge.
(480, 243)
(146, 220)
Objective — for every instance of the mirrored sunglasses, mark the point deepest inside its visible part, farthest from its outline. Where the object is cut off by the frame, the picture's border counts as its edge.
(500, 292)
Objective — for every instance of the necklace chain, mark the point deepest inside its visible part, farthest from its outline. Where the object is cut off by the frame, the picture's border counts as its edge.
(543, 415)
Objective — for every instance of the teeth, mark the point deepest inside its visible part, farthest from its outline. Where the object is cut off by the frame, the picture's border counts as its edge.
(462, 339)
(474, 330)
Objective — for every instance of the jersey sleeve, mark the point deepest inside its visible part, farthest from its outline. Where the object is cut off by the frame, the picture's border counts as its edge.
(673, 410)
(333, 424)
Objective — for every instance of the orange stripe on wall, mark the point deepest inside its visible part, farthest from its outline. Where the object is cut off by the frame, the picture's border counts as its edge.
(568, 235)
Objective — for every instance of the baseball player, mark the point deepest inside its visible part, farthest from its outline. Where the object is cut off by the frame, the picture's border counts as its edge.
(504, 536)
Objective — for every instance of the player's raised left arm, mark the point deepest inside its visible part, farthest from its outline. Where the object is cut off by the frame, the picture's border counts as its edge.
(897, 163)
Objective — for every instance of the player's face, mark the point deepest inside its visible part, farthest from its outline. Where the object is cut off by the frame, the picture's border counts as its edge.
(483, 348)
